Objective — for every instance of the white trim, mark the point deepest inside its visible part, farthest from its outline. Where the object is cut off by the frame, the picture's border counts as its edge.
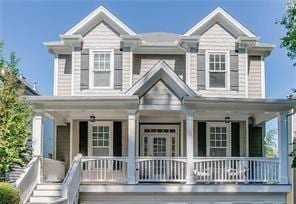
(212, 15)
(91, 68)
(228, 137)
(247, 138)
(71, 140)
(262, 77)
(227, 69)
(188, 79)
(73, 72)
(247, 72)
(100, 123)
(186, 188)
(131, 69)
(153, 71)
(95, 13)
(56, 71)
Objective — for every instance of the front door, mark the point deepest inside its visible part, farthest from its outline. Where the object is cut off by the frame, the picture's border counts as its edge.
(160, 140)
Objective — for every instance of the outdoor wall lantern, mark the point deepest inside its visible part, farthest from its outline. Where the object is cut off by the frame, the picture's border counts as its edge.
(92, 118)
(227, 119)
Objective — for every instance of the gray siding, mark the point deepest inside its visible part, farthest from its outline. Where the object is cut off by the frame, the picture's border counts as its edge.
(254, 77)
(63, 144)
(217, 38)
(143, 63)
(64, 75)
(159, 94)
(101, 37)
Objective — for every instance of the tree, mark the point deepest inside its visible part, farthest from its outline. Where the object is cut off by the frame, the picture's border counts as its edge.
(289, 42)
(270, 144)
(15, 116)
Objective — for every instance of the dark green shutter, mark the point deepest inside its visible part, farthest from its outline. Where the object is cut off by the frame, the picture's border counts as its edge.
(83, 134)
(84, 70)
(117, 138)
(202, 139)
(235, 132)
(255, 141)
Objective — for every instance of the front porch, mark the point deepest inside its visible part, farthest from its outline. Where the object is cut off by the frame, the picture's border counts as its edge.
(198, 142)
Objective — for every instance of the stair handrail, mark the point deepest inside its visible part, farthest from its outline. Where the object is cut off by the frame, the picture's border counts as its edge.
(71, 183)
(27, 182)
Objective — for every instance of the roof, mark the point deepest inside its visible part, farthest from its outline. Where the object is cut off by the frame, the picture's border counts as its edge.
(221, 16)
(161, 71)
(29, 89)
(96, 16)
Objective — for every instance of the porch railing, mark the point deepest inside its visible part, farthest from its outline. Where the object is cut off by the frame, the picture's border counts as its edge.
(29, 179)
(161, 169)
(236, 169)
(104, 169)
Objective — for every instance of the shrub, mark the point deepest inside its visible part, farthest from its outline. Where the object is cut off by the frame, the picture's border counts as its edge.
(9, 194)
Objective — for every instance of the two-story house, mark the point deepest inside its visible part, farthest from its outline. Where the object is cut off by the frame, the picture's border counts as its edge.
(160, 117)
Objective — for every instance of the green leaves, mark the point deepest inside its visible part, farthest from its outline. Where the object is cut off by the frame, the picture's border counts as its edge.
(15, 117)
(289, 22)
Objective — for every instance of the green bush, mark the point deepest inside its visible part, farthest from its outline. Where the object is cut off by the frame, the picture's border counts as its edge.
(9, 194)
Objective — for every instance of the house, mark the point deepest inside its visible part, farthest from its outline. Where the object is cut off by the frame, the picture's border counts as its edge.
(159, 117)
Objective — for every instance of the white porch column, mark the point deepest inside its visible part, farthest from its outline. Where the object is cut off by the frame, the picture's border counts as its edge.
(189, 147)
(37, 135)
(131, 167)
(283, 145)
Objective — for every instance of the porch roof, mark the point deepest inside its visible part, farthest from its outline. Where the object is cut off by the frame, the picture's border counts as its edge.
(69, 103)
(239, 104)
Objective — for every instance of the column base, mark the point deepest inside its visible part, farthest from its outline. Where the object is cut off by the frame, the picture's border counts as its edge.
(190, 180)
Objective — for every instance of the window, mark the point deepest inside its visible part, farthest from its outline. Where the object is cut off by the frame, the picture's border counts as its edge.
(100, 138)
(218, 140)
(101, 72)
(217, 70)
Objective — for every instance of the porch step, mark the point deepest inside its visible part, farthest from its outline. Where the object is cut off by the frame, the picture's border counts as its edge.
(46, 186)
(46, 192)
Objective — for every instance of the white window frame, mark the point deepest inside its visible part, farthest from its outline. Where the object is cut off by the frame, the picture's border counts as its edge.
(227, 69)
(228, 136)
(91, 69)
(90, 144)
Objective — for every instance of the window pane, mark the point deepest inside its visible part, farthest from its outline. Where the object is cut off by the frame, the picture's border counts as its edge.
(96, 57)
(107, 65)
(211, 58)
(217, 80)
(102, 79)
(212, 66)
(107, 57)
(222, 58)
(218, 152)
(101, 152)
(222, 66)
(217, 58)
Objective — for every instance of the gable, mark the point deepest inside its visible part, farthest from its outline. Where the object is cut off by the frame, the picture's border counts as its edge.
(159, 94)
(161, 71)
(223, 18)
(102, 36)
(217, 38)
(98, 15)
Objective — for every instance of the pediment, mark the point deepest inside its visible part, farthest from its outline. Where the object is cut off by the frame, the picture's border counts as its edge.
(164, 73)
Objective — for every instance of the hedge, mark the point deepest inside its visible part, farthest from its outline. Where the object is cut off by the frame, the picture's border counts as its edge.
(9, 194)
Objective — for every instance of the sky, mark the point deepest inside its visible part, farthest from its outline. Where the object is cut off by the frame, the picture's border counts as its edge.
(25, 25)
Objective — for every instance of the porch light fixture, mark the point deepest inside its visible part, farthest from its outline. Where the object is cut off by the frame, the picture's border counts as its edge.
(92, 118)
(227, 119)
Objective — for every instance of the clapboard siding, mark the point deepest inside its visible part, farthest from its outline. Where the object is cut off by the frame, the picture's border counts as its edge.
(126, 70)
(193, 71)
(254, 78)
(143, 63)
(159, 94)
(101, 37)
(177, 198)
(64, 75)
(63, 144)
(217, 38)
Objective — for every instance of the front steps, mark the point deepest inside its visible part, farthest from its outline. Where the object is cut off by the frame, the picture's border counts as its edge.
(46, 192)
